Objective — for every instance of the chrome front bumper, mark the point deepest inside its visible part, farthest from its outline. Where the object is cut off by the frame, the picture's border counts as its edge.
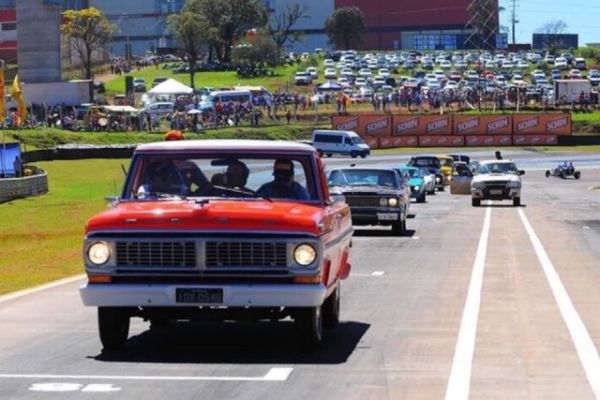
(234, 295)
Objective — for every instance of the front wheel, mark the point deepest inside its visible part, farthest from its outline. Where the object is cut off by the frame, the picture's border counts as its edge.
(331, 309)
(363, 155)
(353, 154)
(475, 202)
(309, 326)
(516, 201)
(577, 174)
(113, 324)
(398, 228)
(547, 174)
(421, 198)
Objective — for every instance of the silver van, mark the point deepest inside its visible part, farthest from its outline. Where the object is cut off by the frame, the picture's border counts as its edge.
(331, 142)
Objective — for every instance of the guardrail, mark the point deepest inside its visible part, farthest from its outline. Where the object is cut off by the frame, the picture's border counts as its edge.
(27, 186)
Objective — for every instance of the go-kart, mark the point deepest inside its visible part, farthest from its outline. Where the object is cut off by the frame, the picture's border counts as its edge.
(564, 171)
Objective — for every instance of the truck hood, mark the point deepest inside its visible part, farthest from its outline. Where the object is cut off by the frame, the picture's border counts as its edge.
(219, 215)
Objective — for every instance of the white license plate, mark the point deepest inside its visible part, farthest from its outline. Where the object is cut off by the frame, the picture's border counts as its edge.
(495, 191)
(387, 216)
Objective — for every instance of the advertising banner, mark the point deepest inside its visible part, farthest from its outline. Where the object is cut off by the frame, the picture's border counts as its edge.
(441, 141)
(374, 125)
(344, 123)
(488, 140)
(534, 140)
(373, 142)
(398, 141)
(482, 124)
(422, 125)
(556, 124)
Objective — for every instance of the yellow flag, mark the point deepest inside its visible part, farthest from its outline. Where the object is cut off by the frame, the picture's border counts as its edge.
(17, 96)
(2, 97)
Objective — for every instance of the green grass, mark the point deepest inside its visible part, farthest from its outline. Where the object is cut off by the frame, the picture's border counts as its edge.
(49, 138)
(41, 237)
(283, 76)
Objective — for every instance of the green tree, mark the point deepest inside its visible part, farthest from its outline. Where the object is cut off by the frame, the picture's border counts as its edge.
(86, 31)
(346, 28)
(256, 55)
(552, 31)
(280, 24)
(193, 32)
(230, 19)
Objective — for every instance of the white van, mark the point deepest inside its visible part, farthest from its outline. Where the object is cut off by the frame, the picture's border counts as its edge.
(331, 142)
(242, 96)
(160, 108)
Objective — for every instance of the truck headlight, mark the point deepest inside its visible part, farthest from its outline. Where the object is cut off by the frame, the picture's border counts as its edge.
(305, 254)
(98, 253)
(514, 184)
(479, 185)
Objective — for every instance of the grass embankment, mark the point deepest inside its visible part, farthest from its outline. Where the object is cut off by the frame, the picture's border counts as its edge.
(49, 138)
(41, 237)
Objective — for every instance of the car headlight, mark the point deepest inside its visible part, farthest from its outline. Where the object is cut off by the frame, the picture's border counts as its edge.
(438, 179)
(98, 253)
(305, 254)
(383, 202)
(478, 185)
(514, 184)
(393, 202)
(417, 188)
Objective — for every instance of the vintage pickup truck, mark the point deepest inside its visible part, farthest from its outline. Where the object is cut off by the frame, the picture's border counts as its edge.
(219, 230)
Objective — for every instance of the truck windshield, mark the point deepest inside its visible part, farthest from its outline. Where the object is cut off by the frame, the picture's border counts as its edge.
(227, 176)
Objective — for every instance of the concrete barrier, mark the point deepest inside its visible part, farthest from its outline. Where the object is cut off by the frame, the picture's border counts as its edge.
(18, 188)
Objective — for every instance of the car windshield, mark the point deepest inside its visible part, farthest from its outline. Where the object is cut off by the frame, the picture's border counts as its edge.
(446, 162)
(357, 140)
(228, 176)
(363, 177)
(413, 173)
(497, 168)
(425, 162)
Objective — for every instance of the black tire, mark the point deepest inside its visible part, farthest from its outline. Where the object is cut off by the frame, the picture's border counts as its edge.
(398, 228)
(577, 174)
(422, 198)
(353, 154)
(363, 155)
(158, 323)
(441, 188)
(113, 325)
(309, 327)
(329, 154)
(331, 308)
(516, 201)
(475, 202)
(548, 174)
(562, 174)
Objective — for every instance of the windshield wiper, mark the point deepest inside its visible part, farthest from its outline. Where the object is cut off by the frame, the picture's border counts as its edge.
(159, 195)
(247, 192)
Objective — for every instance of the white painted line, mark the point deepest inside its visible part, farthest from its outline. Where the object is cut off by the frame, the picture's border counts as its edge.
(460, 374)
(586, 227)
(36, 289)
(273, 375)
(587, 351)
(378, 273)
(415, 238)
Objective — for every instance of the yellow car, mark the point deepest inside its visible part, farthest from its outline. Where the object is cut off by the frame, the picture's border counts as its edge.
(446, 167)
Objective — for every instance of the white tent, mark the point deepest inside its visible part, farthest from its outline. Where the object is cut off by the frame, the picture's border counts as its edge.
(170, 86)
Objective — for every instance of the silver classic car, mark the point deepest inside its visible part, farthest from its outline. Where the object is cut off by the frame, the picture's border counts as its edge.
(375, 196)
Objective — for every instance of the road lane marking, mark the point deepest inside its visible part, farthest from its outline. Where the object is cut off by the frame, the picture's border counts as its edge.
(46, 286)
(378, 273)
(462, 364)
(273, 375)
(586, 350)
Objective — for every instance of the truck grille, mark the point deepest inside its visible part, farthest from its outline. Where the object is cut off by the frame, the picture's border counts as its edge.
(362, 201)
(156, 254)
(495, 184)
(245, 254)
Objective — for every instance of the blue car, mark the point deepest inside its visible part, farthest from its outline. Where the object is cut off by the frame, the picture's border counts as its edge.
(415, 181)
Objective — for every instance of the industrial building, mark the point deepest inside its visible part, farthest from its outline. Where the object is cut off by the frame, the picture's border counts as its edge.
(391, 24)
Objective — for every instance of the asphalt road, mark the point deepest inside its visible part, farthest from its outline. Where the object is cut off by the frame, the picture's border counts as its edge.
(468, 304)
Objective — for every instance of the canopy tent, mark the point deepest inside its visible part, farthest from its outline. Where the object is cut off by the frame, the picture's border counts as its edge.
(329, 86)
(170, 86)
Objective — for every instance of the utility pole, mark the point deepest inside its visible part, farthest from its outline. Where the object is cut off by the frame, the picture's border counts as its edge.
(514, 21)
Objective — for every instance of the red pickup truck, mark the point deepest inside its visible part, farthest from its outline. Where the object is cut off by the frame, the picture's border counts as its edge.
(219, 230)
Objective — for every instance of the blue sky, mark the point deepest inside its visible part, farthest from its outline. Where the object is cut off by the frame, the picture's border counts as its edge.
(581, 16)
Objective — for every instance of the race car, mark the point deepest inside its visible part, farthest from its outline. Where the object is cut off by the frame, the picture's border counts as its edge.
(564, 170)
